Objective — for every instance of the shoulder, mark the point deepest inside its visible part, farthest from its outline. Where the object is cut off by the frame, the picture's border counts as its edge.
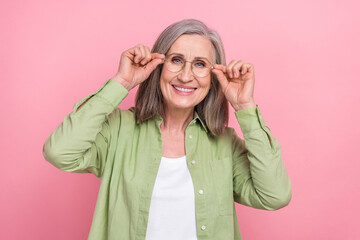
(231, 137)
(229, 134)
(120, 116)
(225, 140)
(225, 145)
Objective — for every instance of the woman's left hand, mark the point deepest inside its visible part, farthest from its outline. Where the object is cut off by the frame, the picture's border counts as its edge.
(237, 81)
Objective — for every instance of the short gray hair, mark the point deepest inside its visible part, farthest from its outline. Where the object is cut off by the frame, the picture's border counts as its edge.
(213, 110)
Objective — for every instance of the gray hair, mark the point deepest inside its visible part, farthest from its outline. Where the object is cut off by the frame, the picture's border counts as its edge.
(213, 110)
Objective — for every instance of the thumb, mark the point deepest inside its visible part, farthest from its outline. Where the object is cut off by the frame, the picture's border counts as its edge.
(221, 78)
(152, 65)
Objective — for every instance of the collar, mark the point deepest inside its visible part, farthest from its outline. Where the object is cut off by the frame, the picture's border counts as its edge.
(197, 118)
(158, 119)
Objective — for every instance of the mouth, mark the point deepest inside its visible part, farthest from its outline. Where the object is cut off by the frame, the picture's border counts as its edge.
(184, 90)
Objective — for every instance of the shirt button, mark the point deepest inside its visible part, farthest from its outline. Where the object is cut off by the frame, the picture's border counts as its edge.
(203, 227)
(201, 191)
(190, 136)
(193, 162)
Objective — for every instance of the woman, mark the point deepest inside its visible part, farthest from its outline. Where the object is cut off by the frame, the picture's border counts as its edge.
(170, 168)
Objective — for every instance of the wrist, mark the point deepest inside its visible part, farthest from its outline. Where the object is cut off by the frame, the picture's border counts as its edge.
(123, 82)
(242, 106)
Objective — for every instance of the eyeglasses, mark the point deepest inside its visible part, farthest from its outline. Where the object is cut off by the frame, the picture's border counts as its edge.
(200, 67)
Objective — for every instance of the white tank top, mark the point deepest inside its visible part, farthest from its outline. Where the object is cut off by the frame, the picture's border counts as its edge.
(172, 207)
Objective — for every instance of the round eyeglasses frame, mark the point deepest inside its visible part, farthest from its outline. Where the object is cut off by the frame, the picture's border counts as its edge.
(168, 57)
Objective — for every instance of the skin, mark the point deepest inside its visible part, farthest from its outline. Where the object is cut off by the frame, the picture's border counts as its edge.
(179, 106)
(237, 81)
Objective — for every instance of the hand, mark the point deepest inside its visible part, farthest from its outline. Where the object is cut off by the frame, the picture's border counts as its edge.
(237, 81)
(136, 64)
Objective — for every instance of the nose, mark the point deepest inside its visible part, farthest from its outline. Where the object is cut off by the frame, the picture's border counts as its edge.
(186, 74)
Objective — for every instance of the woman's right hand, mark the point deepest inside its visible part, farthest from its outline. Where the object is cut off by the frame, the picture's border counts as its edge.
(136, 64)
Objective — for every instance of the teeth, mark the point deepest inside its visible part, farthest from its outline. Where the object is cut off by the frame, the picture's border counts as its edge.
(184, 89)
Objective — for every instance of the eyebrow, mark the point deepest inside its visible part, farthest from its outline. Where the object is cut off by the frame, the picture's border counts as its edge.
(196, 58)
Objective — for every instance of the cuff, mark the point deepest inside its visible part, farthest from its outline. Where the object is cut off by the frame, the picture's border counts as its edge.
(111, 91)
(250, 119)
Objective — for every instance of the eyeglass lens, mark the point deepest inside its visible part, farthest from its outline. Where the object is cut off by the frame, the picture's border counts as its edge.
(200, 67)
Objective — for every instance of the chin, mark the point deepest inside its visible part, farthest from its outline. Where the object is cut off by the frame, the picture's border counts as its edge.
(181, 106)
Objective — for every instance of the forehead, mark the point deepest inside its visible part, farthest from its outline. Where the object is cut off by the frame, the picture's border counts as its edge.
(192, 46)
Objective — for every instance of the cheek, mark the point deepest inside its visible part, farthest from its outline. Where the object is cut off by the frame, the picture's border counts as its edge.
(162, 80)
(206, 84)
(165, 77)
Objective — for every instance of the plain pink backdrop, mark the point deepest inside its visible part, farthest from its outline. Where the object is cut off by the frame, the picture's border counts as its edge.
(306, 57)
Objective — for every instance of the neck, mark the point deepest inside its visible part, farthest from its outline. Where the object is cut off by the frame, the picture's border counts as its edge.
(177, 120)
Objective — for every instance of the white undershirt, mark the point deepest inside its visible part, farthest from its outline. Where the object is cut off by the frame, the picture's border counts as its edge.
(172, 207)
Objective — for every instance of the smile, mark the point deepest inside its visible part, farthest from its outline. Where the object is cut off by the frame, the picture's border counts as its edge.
(187, 90)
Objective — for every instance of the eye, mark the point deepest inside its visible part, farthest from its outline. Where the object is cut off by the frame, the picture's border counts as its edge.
(177, 60)
(200, 64)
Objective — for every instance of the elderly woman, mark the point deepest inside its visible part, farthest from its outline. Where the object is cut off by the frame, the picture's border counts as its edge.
(170, 168)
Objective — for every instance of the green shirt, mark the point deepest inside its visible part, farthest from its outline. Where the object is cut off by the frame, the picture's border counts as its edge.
(109, 142)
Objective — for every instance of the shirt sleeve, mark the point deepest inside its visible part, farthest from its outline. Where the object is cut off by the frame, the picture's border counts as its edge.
(259, 176)
(80, 143)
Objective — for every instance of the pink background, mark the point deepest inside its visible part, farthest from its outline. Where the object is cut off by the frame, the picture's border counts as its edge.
(306, 57)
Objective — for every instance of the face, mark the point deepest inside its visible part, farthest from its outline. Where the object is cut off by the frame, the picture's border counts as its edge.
(183, 90)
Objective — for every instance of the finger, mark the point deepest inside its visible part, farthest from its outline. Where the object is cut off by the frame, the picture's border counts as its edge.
(221, 78)
(247, 67)
(229, 68)
(220, 67)
(152, 65)
(236, 68)
(137, 55)
(143, 54)
(244, 68)
(157, 55)
(130, 54)
(147, 56)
